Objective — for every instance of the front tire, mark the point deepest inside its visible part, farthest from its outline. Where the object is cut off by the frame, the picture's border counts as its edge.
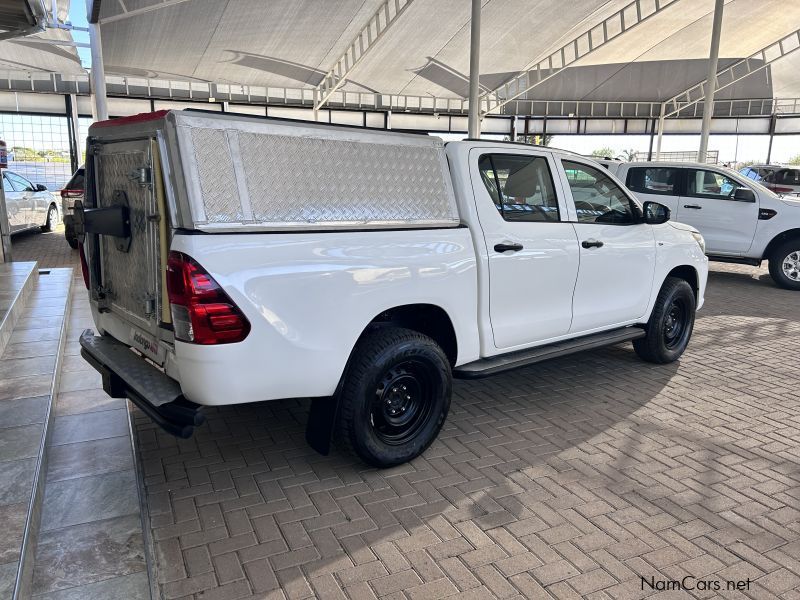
(784, 265)
(670, 325)
(52, 217)
(395, 397)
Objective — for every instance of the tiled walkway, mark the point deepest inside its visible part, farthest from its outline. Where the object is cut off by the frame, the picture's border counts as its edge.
(28, 366)
(575, 478)
(90, 543)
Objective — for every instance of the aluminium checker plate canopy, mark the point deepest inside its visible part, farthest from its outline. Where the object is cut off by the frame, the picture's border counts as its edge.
(231, 173)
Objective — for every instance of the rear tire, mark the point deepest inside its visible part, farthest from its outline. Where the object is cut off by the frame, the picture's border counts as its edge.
(670, 325)
(784, 265)
(52, 217)
(395, 397)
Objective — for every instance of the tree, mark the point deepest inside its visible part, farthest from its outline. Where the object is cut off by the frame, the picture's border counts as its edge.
(628, 155)
(603, 152)
(795, 160)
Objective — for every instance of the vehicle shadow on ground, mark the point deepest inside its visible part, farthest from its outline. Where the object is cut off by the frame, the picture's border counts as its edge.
(508, 442)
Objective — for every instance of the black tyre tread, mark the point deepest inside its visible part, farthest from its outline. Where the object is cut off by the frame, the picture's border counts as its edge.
(372, 344)
(775, 259)
(647, 348)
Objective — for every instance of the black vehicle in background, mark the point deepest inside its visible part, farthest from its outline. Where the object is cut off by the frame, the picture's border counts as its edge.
(72, 191)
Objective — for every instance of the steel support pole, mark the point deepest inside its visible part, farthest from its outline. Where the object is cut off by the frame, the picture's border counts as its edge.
(98, 72)
(75, 128)
(711, 80)
(660, 131)
(772, 122)
(474, 119)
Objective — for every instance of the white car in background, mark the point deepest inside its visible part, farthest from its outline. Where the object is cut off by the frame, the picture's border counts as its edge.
(29, 205)
(741, 220)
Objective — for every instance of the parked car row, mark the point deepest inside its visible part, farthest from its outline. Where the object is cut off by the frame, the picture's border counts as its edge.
(741, 220)
(779, 179)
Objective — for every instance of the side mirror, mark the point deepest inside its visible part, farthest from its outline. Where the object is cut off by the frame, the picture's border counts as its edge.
(744, 194)
(40, 188)
(656, 213)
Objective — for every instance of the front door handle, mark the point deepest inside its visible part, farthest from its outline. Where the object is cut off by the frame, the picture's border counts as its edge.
(592, 243)
(506, 246)
(694, 206)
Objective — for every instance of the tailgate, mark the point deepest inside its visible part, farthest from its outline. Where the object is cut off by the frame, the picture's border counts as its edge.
(130, 273)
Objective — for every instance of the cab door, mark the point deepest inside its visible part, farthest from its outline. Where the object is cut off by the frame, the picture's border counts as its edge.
(617, 251)
(728, 225)
(531, 248)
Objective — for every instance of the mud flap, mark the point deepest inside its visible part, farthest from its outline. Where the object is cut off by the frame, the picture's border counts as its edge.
(321, 423)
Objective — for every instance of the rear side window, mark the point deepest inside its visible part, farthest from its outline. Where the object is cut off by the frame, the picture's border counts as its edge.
(521, 187)
(653, 180)
(597, 198)
(7, 185)
(76, 183)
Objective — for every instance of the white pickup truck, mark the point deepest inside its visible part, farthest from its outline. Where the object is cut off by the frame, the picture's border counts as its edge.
(741, 220)
(245, 259)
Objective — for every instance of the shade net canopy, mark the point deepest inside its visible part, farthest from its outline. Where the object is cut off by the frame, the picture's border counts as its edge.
(424, 50)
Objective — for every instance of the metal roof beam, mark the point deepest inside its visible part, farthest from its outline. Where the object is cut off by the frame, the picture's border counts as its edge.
(627, 18)
(735, 73)
(376, 27)
(127, 14)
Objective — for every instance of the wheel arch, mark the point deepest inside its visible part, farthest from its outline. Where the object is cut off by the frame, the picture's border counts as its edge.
(689, 274)
(782, 237)
(428, 319)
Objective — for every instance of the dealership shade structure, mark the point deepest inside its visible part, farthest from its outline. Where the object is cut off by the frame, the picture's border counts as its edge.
(568, 66)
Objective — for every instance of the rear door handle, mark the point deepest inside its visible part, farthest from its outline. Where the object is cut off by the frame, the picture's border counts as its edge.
(506, 246)
(592, 243)
(694, 206)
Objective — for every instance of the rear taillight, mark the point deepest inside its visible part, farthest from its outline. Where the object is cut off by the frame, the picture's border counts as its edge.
(71, 193)
(202, 313)
(779, 189)
(84, 265)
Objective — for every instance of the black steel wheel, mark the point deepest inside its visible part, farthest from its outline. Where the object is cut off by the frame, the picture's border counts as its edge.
(670, 325)
(395, 396)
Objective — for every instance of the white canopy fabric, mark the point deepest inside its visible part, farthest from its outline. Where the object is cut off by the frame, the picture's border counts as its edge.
(47, 50)
(425, 51)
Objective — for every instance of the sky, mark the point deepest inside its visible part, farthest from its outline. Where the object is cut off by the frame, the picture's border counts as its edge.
(77, 16)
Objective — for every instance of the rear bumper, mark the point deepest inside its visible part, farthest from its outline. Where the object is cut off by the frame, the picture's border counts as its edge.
(128, 375)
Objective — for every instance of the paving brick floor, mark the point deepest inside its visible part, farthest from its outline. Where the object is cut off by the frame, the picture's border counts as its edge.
(570, 479)
(575, 478)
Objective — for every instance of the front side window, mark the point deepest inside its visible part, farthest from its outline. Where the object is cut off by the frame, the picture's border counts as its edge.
(521, 187)
(710, 184)
(653, 180)
(597, 198)
(18, 183)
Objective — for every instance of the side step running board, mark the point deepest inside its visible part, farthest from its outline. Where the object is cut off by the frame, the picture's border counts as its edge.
(521, 358)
